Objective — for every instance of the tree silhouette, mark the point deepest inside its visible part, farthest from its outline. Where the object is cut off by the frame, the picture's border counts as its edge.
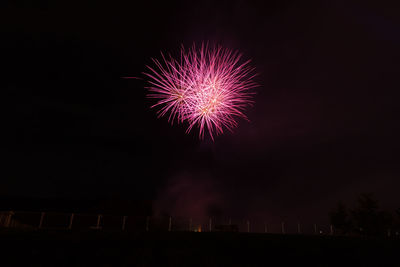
(365, 219)
(368, 219)
(340, 219)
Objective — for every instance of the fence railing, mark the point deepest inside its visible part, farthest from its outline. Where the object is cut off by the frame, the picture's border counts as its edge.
(106, 222)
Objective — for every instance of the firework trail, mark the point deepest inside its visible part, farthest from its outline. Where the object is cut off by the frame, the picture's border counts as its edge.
(206, 87)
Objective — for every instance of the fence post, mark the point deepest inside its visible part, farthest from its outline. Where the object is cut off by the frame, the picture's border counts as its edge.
(265, 227)
(41, 220)
(123, 222)
(71, 219)
(298, 228)
(8, 220)
(98, 221)
(331, 229)
(283, 227)
(170, 224)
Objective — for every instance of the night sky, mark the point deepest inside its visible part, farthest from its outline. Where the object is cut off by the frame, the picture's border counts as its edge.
(324, 126)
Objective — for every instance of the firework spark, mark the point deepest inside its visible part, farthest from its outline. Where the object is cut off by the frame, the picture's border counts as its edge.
(206, 87)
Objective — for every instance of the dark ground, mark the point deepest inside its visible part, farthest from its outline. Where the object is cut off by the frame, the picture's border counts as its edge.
(63, 248)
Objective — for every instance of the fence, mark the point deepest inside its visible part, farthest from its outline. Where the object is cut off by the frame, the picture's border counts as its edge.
(106, 222)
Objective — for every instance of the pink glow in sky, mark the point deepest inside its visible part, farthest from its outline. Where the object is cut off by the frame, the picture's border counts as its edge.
(206, 87)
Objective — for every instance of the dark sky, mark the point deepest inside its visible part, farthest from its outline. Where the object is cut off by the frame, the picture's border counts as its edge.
(324, 126)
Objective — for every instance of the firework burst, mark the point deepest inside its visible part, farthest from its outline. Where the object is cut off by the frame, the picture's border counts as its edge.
(206, 87)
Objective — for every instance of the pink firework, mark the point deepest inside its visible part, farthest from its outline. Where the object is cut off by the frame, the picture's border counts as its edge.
(207, 87)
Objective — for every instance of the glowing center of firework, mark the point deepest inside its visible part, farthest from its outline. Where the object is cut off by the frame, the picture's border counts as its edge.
(212, 105)
(179, 98)
(207, 87)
